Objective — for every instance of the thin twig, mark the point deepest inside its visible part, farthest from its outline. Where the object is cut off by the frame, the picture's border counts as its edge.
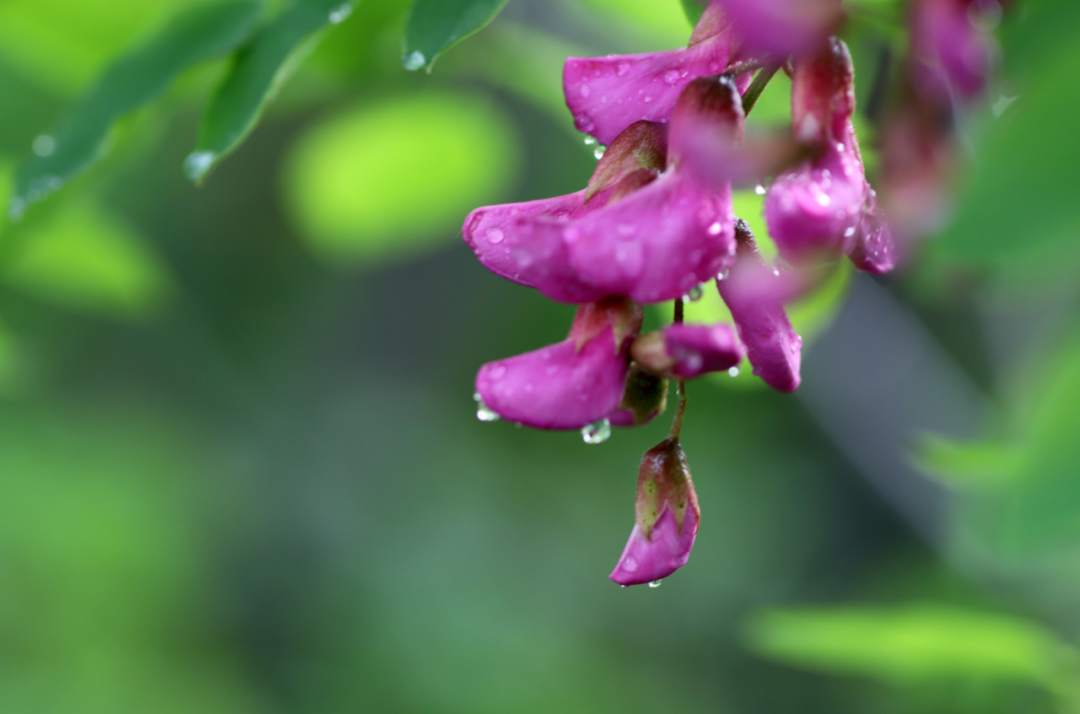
(680, 408)
(753, 92)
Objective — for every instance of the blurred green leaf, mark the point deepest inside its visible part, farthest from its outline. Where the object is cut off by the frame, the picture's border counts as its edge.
(255, 78)
(662, 20)
(913, 644)
(434, 26)
(131, 81)
(694, 9)
(1011, 214)
(389, 178)
(968, 465)
(83, 258)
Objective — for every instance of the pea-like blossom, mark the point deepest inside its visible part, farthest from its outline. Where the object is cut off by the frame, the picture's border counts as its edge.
(667, 517)
(824, 206)
(689, 351)
(644, 230)
(608, 94)
(952, 48)
(782, 28)
(572, 383)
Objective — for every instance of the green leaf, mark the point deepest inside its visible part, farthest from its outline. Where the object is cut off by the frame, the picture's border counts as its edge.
(1011, 215)
(389, 178)
(434, 26)
(694, 9)
(130, 82)
(255, 78)
(913, 644)
(86, 259)
(975, 465)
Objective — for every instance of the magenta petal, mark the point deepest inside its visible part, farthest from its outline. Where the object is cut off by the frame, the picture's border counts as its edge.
(608, 94)
(700, 349)
(658, 556)
(657, 243)
(522, 242)
(772, 346)
(557, 387)
(817, 206)
(874, 250)
(781, 28)
(953, 56)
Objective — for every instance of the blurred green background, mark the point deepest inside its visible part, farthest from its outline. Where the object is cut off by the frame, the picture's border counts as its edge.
(240, 471)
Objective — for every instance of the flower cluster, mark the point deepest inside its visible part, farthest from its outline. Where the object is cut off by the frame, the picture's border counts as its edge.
(655, 222)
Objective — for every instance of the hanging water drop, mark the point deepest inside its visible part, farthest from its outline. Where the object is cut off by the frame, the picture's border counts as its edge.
(43, 145)
(197, 164)
(340, 14)
(759, 190)
(413, 61)
(596, 433)
(589, 141)
(483, 411)
(598, 152)
(695, 293)
(655, 584)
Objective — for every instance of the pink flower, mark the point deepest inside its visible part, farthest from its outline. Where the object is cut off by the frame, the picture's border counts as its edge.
(688, 351)
(570, 384)
(773, 348)
(608, 94)
(667, 518)
(952, 55)
(824, 206)
(782, 28)
(637, 232)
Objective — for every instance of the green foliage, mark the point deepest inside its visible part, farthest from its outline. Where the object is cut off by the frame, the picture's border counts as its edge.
(256, 75)
(914, 644)
(130, 82)
(389, 178)
(1011, 215)
(694, 9)
(434, 26)
(83, 258)
(968, 465)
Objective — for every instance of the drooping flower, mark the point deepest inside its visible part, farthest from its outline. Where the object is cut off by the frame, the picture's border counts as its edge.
(637, 232)
(572, 383)
(689, 351)
(952, 51)
(772, 346)
(608, 94)
(782, 28)
(824, 206)
(667, 517)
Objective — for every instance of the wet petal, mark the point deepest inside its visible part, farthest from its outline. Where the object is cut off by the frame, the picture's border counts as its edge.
(952, 55)
(658, 555)
(782, 28)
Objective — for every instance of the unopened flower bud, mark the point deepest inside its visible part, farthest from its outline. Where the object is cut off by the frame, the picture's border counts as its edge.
(688, 351)
(667, 517)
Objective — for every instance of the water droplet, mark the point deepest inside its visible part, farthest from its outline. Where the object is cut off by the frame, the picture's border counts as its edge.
(584, 91)
(759, 190)
(622, 68)
(494, 235)
(483, 411)
(589, 140)
(340, 14)
(655, 584)
(598, 152)
(733, 371)
(695, 294)
(413, 61)
(197, 164)
(723, 274)
(671, 76)
(716, 228)
(43, 145)
(849, 232)
(596, 433)
(648, 99)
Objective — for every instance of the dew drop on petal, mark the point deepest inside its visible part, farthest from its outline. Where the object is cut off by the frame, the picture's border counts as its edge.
(494, 235)
(671, 76)
(655, 584)
(596, 433)
(622, 68)
(716, 228)
(483, 411)
(598, 152)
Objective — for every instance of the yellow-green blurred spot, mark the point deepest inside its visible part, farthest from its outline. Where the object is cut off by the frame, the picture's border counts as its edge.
(911, 644)
(85, 259)
(389, 179)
